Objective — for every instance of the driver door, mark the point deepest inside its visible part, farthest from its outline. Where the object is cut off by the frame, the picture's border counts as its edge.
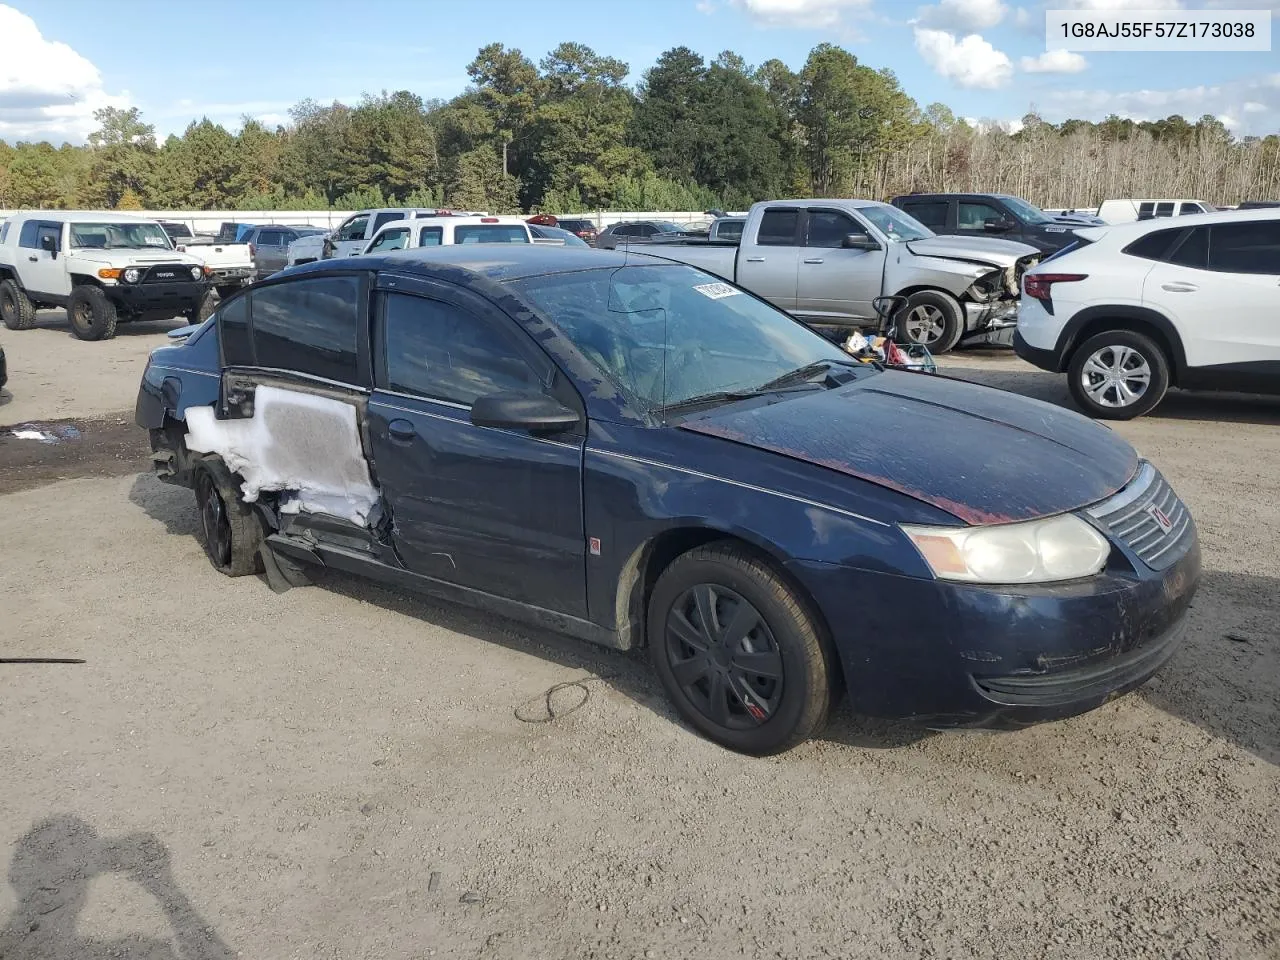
(491, 509)
(350, 237)
(837, 285)
(43, 271)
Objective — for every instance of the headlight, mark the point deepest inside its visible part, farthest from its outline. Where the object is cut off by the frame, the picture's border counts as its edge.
(196, 273)
(131, 275)
(1040, 551)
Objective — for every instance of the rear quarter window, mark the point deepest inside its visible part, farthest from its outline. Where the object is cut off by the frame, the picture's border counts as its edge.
(1153, 246)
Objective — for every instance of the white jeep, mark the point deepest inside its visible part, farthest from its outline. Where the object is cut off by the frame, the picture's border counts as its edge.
(105, 268)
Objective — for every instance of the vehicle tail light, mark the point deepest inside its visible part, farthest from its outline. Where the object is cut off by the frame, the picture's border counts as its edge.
(253, 250)
(109, 273)
(1040, 285)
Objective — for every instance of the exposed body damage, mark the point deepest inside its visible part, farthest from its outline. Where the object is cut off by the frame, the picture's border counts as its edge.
(577, 516)
(984, 275)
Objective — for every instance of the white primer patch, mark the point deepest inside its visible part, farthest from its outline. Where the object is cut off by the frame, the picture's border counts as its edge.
(296, 442)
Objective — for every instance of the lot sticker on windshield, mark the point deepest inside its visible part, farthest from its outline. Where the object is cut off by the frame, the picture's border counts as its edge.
(717, 291)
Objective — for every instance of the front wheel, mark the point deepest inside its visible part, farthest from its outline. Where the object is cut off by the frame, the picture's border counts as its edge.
(1118, 375)
(203, 310)
(92, 314)
(738, 653)
(932, 319)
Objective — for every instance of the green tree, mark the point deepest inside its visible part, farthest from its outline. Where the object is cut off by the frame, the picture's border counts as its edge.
(666, 121)
(390, 146)
(124, 151)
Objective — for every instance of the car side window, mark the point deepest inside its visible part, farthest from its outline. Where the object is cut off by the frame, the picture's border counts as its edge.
(1164, 209)
(383, 219)
(1190, 208)
(269, 238)
(1252, 247)
(4, 231)
(308, 326)
(353, 229)
(390, 239)
(1145, 210)
(828, 228)
(53, 230)
(778, 228)
(233, 333)
(1193, 251)
(439, 351)
(29, 237)
(625, 230)
(973, 216)
(431, 237)
(932, 213)
(1154, 245)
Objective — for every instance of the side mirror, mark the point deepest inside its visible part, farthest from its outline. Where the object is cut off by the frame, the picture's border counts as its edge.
(997, 225)
(50, 244)
(859, 241)
(534, 412)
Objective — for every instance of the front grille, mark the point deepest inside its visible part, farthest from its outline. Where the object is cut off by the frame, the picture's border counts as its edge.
(1133, 516)
(168, 273)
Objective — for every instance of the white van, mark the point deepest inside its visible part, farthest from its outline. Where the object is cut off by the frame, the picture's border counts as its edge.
(443, 231)
(1127, 211)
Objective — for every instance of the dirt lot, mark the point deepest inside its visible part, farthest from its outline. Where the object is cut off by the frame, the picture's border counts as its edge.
(341, 772)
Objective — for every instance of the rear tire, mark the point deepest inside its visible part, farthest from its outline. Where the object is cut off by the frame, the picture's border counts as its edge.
(231, 529)
(17, 312)
(932, 319)
(92, 315)
(738, 652)
(1118, 375)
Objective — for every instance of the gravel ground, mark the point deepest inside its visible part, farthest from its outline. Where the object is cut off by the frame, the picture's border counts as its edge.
(343, 772)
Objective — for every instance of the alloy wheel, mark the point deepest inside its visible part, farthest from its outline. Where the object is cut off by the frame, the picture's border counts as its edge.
(925, 324)
(214, 522)
(1115, 376)
(724, 657)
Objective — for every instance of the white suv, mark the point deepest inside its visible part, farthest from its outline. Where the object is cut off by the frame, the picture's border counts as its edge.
(1133, 309)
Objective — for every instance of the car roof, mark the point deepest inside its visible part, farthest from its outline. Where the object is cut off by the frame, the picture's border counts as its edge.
(824, 202)
(507, 221)
(497, 262)
(80, 216)
(1138, 228)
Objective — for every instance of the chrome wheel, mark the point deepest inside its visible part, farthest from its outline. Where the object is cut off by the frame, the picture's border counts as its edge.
(925, 324)
(1115, 376)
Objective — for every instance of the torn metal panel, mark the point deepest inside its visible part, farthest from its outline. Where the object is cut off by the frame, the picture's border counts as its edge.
(296, 442)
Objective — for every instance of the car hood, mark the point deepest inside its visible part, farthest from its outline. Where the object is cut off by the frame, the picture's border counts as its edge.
(982, 455)
(988, 250)
(133, 258)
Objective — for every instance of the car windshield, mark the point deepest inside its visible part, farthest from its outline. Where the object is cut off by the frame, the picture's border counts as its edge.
(895, 224)
(667, 227)
(119, 236)
(670, 335)
(1026, 212)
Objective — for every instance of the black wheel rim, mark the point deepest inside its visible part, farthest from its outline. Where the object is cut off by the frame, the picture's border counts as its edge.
(724, 657)
(213, 520)
(82, 315)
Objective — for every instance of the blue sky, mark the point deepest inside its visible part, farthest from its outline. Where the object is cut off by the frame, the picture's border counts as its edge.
(177, 62)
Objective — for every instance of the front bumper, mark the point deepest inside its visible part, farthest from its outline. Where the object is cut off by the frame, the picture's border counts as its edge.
(175, 298)
(945, 654)
(225, 274)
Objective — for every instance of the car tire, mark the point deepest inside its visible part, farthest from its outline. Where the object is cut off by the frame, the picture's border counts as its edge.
(231, 529)
(92, 315)
(16, 310)
(1115, 353)
(932, 319)
(759, 693)
(204, 309)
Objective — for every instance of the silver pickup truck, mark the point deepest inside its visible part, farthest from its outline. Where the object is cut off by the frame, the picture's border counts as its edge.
(826, 261)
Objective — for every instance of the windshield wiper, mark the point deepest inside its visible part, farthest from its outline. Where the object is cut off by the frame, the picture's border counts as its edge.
(806, 373)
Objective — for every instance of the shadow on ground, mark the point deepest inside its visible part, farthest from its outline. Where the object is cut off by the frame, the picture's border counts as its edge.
(1052, 388)
(58, 320)
(52, 867)
(627, 672)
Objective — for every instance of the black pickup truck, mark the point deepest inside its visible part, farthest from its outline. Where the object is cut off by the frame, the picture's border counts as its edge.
(987, 214)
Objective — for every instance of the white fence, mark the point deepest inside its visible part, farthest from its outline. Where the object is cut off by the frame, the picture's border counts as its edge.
(208, 221)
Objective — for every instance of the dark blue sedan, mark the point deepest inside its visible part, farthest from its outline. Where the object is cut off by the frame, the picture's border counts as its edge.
(635, 452)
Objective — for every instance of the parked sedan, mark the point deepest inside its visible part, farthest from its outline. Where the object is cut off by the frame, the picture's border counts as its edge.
(638, 231)
(638, 453)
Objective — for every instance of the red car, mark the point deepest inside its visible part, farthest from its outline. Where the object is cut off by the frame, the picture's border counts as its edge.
(580, 227)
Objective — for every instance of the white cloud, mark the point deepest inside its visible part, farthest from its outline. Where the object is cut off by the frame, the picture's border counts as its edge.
(963, 16)
(1115, 6)
(802, 13)
(1260, 95)
(706, 7)
(968, 62)
(1054, 61)
(47, 90)
(1022, 18)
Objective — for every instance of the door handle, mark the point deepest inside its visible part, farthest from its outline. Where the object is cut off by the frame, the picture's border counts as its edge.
(34, 259)
(755, 259)
(814, 261)
(1179, 287)
(401, 430)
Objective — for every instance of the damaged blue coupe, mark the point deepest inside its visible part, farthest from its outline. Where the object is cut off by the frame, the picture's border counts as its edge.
(635, 452)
